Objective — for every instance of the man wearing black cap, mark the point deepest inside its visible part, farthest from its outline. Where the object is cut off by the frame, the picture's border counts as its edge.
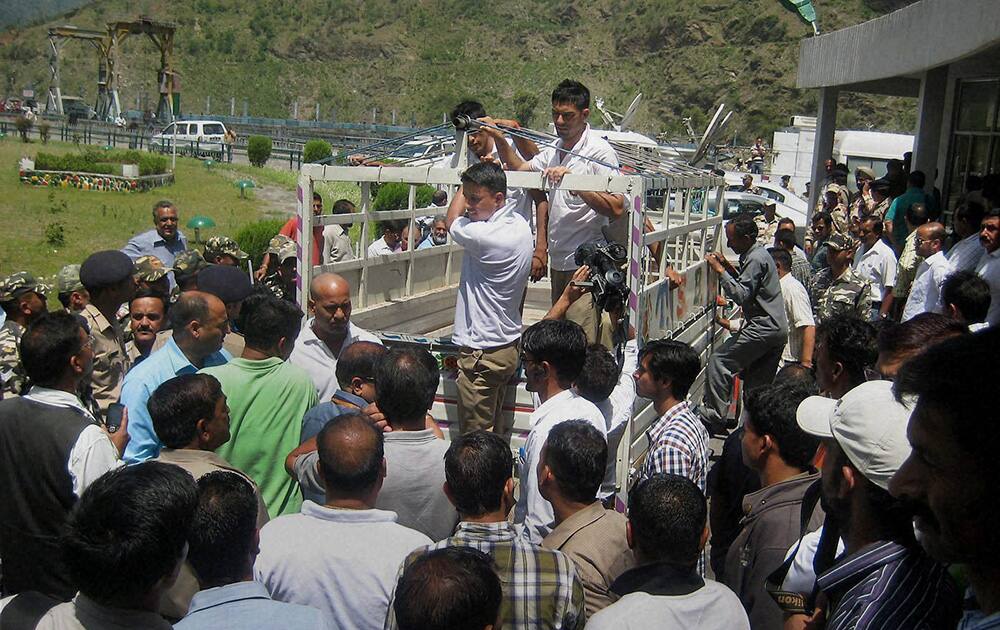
(232, 286)
(107, 276)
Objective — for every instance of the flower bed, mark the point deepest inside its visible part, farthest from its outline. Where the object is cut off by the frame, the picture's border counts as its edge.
(91, 181)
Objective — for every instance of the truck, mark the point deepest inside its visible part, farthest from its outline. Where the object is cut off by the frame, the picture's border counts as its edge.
(408, 298)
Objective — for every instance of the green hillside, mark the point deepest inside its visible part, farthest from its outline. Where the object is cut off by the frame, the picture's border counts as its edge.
(420, 57)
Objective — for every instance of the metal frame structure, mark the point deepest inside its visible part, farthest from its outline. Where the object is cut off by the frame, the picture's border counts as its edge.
(672, 195)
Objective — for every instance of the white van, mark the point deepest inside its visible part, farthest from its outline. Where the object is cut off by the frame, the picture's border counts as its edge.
(192, 136)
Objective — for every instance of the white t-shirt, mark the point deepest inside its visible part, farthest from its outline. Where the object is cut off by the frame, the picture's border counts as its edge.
(379, 247)
(571, 221)
(313, 356)
(989, 270)
(711, 607)
(878, 266)
(799, 314)
(495, 270)
(533, 514)
(925, 293)
(801, 576)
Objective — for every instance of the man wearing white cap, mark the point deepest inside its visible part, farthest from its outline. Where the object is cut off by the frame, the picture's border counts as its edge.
(884, 579)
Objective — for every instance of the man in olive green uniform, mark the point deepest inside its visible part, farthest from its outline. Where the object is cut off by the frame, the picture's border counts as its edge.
(838, 289)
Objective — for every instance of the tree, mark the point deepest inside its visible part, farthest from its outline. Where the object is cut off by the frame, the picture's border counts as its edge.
(524, 108)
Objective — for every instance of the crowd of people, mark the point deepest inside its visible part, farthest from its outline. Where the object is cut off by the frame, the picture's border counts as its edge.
(183, 445)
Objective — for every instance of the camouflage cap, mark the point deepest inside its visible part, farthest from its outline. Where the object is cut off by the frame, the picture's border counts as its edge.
(68, 279)
(841, 242)
(277, 243)
(189, 262)
(286, 251)
(223, 245)
(149, 269)
(19, 283)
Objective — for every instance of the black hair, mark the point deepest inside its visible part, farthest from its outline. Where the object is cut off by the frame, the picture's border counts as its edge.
(851, 342)
(972, 212)
(560, 342)
(744, 225)
(916, 179)
(358, 360)
(64, 297)
(781, 257)
(668, 514)
(917, 214)
(916, 334)
(472, 109)
(355, 469)
(396, 226)
(265, 318)
(877, 225)
(599, 375)
(47, 346)
(453, 588)
(404, 387)
(128, 531)
(771, 411)
(477, 466)
(572, 92)
(969, 293)
(177, 405)
(488, 175)
(823, 216)
(577, 454)
(673, 360)
(189, 307)
(150, 292)
(343, 206)
(317, 197)
(222, 541)
(795, 372)
(785, 238)
(966, 363)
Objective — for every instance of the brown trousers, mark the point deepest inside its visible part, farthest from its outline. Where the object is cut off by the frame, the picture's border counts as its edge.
(596, 324)
(482, 385)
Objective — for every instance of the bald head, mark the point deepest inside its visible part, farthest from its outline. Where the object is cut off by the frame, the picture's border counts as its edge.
(327, 286)
(351, 456)
(930, 239)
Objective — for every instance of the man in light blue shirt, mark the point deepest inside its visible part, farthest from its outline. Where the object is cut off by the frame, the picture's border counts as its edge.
(164, 242)
(222, 549)
(200, 323)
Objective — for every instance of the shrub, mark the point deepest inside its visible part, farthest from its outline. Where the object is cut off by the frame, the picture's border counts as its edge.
(102, 162)
(258, 150)
(55, 234)
(395, 196)
(316, 150)
(254, 238)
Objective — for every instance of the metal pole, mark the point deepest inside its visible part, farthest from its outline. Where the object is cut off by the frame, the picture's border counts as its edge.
(173, 148)
(465, 121)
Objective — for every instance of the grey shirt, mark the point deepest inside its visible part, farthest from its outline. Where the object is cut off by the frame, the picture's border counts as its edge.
(758, 292)
(413, 486)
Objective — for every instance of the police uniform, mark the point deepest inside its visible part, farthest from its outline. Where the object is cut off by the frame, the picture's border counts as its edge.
(11, 370)
(848, 294)
(105, 269)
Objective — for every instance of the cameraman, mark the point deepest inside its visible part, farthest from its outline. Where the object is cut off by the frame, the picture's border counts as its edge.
(495, 268)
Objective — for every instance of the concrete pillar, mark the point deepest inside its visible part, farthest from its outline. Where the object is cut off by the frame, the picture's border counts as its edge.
(930, 117)
(826, 125)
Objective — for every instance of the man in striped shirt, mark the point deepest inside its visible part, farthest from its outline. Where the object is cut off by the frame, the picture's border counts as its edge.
(949, 479)
(884, 579)
(541, 589)
(678, 441)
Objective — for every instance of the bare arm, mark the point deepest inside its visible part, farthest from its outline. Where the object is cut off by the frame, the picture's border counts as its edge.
(456, 208)
(525, 147)
(539, 260)
(887, 298)
(302, 449)
(569, 295)
(605, 204)
(508, 155)
(808, 344)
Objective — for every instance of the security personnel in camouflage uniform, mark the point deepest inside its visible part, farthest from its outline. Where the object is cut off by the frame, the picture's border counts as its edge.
(767, 224)
(150, 273)
(187, 264)
(838, 289)
(281, 281)
(222, 250)
(72, 295)
(880, 198)
(23, 300)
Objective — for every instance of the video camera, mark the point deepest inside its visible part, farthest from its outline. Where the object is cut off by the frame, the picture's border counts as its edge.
(607, 280)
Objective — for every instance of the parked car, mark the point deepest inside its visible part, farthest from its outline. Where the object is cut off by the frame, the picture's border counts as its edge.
(192, 136)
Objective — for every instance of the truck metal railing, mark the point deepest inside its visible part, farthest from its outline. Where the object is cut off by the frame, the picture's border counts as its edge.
(666, 207)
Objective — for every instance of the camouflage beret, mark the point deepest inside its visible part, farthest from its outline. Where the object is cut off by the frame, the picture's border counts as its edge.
(149, 269)
(68, 279)
(277, 243)
(188, 262)
(221, 246)
(841, 242)
(19, 283)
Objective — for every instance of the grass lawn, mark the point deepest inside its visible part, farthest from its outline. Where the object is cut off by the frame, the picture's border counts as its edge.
(92, 221)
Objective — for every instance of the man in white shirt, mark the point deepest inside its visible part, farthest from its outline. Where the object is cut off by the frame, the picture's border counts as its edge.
(391, 241)
(341, 557)
(925, 294)
(338, 240)
(989, 265)
(667, 531)
(798, 310)
(553, 353)
(966, 253)
(495, 269)
(574, 218)
(876, 262)
(327, 333)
